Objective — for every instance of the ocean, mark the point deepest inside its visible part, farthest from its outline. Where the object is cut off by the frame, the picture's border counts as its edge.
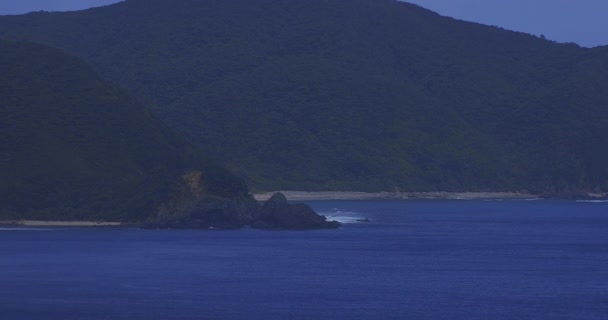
(452, 259)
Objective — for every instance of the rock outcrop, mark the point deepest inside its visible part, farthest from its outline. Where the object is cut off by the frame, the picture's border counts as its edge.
(193, 207)
(202, 212)
(277, 213)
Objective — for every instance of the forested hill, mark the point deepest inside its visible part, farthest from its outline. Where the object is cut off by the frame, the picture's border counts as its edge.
(352, 94)
(72, 147)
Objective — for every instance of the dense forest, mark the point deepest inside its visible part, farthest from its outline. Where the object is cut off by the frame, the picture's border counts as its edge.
(351, 94)
(73, 147)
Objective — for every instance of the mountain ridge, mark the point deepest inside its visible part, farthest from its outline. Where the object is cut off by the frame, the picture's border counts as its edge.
(351, 95)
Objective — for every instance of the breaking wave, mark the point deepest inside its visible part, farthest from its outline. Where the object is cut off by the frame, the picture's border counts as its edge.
(343, 216)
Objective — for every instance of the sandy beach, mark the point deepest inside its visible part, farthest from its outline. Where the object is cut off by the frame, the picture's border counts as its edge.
(39, 223)
(354, 195)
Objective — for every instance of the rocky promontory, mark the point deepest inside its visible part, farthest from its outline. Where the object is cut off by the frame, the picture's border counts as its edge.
(197, 211)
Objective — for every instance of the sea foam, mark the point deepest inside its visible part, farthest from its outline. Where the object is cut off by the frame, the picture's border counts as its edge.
(343, 216)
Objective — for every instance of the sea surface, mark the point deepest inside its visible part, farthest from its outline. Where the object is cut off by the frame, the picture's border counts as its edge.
(510, 259)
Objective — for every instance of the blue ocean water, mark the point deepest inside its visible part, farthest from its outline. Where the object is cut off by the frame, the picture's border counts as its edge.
(415, 260)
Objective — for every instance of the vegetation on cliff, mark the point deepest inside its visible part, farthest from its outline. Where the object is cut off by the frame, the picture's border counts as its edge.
(73, 147)
(351, 94)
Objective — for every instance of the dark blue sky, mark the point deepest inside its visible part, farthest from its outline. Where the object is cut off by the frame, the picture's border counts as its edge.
(580, 21)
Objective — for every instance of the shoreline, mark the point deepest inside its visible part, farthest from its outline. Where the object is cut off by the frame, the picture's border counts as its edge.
(74, 224)
(293, 195)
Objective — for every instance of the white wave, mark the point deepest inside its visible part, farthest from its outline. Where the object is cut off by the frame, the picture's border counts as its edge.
(343, 219)
(593, 201)
(343, 216)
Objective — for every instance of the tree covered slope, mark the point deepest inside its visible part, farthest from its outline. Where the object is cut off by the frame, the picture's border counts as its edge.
(351, 94)
(72, 147)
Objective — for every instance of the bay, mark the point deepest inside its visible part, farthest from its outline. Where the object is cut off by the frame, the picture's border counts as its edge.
(478, 259)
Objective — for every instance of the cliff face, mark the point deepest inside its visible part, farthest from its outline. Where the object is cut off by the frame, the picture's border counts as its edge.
(193, 182)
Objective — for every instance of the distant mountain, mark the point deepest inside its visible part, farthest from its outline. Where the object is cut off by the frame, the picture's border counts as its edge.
(351, 94)
(72, 147)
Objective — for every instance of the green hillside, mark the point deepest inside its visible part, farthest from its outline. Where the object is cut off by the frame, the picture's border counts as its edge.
(351, 94)
(72, 147)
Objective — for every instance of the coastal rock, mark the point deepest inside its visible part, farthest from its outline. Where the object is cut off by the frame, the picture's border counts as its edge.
(221, 213)
(193, 206)
(277, 213)
(216, 213)
(205, 213)
(261, 224)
